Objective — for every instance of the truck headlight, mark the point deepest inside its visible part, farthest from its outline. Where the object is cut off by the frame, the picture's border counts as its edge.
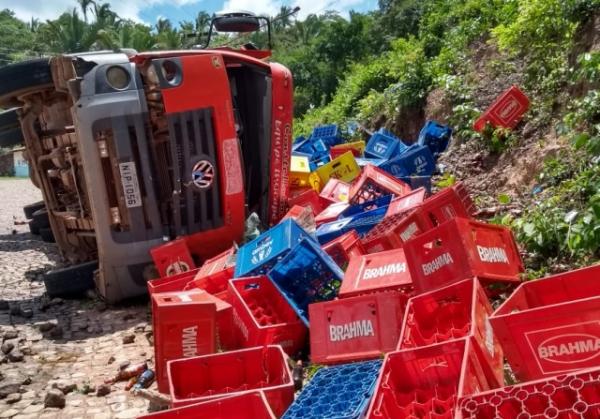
(117, 77)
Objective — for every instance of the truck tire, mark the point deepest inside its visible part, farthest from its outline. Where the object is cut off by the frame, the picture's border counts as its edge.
(39, 220)
(11, 138)
(25, 77)
(9, 119)
(47, 235)
(71, 281)
(10, 129)
(34, 228)
(31, 208)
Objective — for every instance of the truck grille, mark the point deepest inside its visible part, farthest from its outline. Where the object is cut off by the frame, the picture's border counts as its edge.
(196, 199)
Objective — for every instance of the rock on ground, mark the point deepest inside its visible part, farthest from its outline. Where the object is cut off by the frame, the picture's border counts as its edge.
(69, 340)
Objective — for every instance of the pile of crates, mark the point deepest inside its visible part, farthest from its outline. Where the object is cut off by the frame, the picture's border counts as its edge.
(386, 288)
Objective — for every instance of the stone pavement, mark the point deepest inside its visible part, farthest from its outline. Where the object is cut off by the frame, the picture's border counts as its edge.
(69, 345)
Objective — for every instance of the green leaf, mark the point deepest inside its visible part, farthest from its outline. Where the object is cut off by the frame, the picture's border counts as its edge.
(529, 229)
(504, 199)
(581, 139)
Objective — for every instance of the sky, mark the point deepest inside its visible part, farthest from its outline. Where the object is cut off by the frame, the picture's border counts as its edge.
(149, 11)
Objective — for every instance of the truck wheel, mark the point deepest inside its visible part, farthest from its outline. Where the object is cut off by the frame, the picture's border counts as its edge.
(10, 129)
(20, 78)
(47, 235)
(71, 281)
(34, 228)
(39, 220)
(11, 138)
(31, 208)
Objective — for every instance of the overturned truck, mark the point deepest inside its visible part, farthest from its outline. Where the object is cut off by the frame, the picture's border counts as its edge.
(133, 149)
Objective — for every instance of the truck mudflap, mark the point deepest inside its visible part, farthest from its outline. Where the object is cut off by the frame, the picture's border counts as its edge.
(281, 140)
(211, 166)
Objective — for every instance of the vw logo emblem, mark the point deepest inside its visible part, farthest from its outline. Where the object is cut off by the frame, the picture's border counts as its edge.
(203, 174)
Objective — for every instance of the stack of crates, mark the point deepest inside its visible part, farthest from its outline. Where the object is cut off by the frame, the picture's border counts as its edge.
(376, 268)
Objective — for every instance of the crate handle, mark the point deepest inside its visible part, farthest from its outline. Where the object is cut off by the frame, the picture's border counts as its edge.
(253, 286)
(336, 164)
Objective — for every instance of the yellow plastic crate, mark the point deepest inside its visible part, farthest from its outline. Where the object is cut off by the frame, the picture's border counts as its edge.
(355, 145)
(344, 168)
(299, 172)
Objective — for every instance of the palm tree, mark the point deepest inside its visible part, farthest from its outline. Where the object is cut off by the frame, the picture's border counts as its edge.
(283, 19)
(163, 25)
(105, 17)
(34, 24)
(85, 5)
(69, 33)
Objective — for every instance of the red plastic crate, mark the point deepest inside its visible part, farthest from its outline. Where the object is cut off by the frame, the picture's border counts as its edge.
(449, 203)
(337, 150)
(262, 316)
(403, 204)
(331, 213)
(216, 284)
(576, 395)
(394, 231)
(246, 406)
(172, 258)
(208, 377)
(335, 190)
(309, 199)
(458, 311)
(218, 263)
(373, 183)
(345, 248)
(460, 249)
(184, 325)
(376, 272)
(171, 283)
(552, 325)
(226, 336)
(506, 111)
(303, 216)
(427, 382)
(399, 227)
(357, 328)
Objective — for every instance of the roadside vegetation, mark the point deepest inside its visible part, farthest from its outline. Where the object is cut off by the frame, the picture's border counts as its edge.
(382, 68)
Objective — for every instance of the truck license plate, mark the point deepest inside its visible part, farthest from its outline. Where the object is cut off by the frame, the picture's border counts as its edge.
(131, 187)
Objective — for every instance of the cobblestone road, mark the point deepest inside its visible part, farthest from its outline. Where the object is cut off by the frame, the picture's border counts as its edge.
(58, 343)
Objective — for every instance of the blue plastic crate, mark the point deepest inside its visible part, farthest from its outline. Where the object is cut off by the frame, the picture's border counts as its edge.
(362, 223)
(306, 275)
(299, 153)
(316, 162)
(416, 161)
(320, 146)
(325, 131)
(362, 162)
(304, 146)
(381, 146)
(382, 201)
(259, 255)
(339, 392)
(331, 230)
(435, 136)
(298, 141)
(389, 133)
